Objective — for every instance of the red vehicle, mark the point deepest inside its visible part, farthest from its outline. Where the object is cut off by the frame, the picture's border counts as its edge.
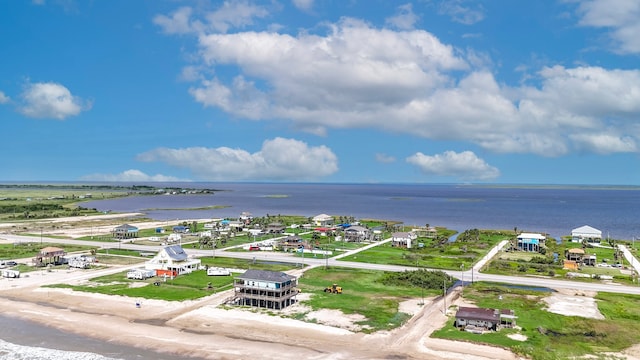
(254, 248)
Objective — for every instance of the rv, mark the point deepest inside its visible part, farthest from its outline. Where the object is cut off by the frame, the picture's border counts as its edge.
(218, 271)
(140, 274)
(10, 273)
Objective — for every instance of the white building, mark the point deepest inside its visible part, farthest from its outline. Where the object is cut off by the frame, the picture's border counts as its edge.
(403, 239)
(323, 220)
(586, 233)
(173, 261)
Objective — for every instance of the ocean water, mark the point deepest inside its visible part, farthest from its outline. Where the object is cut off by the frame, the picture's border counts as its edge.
(555, 210)
(27, 340)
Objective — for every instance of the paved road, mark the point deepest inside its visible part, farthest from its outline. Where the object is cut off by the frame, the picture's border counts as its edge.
(321, 261)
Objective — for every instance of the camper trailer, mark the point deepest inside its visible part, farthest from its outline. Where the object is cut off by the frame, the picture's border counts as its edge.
(140, 274)
(8, 273)
(218, 271)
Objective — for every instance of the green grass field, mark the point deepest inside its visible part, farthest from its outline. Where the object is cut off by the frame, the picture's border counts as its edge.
(363, 293)
(552, 336)
(447, 255)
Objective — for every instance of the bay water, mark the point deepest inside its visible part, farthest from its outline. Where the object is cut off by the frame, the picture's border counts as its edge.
(554, 210)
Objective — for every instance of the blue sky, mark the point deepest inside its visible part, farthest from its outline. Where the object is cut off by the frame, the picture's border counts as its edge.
(363, 91)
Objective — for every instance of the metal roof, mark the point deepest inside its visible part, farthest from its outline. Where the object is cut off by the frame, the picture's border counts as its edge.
(176, 252)
(265, 275)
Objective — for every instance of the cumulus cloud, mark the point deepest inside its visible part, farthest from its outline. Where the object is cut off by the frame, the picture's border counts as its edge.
(621, 17)
(4, 98)
(462, 12)
(405, 19)
(230, 15)
(131, 175)
(384, 158)
(304, 5)
(278, 159)
(465, 165)
(51, 100)
(407, 81)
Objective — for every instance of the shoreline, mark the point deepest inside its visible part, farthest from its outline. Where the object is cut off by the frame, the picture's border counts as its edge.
(200, 330)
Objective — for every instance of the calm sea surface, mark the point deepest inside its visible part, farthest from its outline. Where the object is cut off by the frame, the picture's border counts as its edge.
(554, 210)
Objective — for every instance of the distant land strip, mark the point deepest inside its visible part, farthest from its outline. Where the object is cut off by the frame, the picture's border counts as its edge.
(194, 208)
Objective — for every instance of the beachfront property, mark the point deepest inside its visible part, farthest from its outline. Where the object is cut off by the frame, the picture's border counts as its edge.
(586, 233)
(172, 261)
(530, 242)
(323, 220)
(125, 231)
(480, 320)
(356, 233)
(265, 289)
(403, 239)
(49, 255)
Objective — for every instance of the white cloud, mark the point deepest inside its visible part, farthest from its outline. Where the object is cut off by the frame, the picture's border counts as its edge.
(357, 76)
(304, 5)
(384, 158)
(405, 18)
(465, 165)
(4, 98)
(462, 12)
(51, 100)
(179, 22)
(131, 175)
(622, 17)
(279, 159)
(605, 143)
(230, 15)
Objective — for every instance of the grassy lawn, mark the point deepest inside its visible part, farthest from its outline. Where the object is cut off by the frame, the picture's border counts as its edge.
(29, 250)
(553, 336)
(434, 254)
(363, 293)
(544, 263)
(184, 287)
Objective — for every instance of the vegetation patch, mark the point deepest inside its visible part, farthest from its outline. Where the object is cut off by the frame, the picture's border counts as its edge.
(549, 335)
(438, 252)
(373, 294)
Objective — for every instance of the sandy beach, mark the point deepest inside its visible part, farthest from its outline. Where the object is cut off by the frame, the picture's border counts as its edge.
(200, 329)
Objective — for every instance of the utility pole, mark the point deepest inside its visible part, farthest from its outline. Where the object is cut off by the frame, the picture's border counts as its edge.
(462, 274)
(444, 295)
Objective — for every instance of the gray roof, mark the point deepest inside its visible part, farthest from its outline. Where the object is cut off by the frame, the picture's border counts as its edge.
(127, 227)
(265, 275)
(176, 252)
(483, 314)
